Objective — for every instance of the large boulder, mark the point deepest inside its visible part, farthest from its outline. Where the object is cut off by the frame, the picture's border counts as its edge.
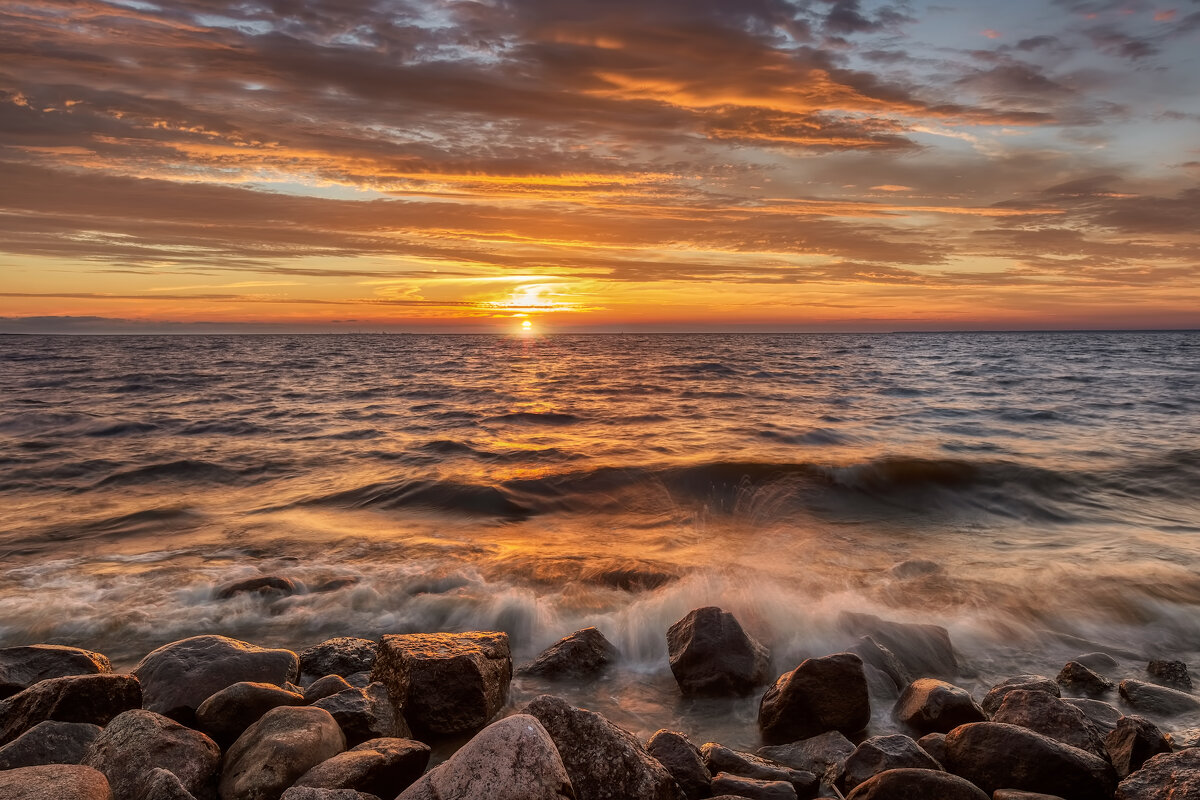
(922, 649)
(228, 713)
(683, 760)
(724, 784)
(822, 694)
(894, 675)
(916, 784)
(584, 652)
(275, 751)
(176, 678)
(994, 755)
(49, 742)
(1132, 743)
(1103, 715)
(446, 683)
(78, 698)
(1170, 776)
(1033, 683)
(383, 767)
(1075, 677)
(23, 666)
(54, 782)
(138, 741)
(513, 759)
(312, 793)
(1153, 699)
(881, 753)
(935, 745)
(365, 714)
(822, 755)
(162, 784)
(932, 706)
(1051, 717)
(719, 758)
(344, 656)
(605, 762)
(710, 654)
(325, 687)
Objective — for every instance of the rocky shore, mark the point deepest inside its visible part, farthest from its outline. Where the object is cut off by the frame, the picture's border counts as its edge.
(354, 719)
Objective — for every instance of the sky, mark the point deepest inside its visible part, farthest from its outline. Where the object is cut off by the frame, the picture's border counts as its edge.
(740, 165)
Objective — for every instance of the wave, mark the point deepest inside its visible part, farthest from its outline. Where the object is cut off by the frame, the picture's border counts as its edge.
(536, 418)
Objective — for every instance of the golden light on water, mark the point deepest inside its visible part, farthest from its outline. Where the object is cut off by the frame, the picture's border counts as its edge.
(527, 325)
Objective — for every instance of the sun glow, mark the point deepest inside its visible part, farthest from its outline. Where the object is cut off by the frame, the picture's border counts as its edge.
(526, 327)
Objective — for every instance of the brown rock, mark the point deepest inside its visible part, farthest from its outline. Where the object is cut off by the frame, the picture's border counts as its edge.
(365, 714)
(1032, 683)
(227, 714)
(138, 741)
(721, 759)
(881, 753)
(821, 694)
(49, 742)
(1075, 677)
(932, 706)
(275, 751)
(1132, 743)
(1170, 776)
(325, 687)
(752, 788)
(584, 652)
(95, 699)
(710, 654)
(1051, 717)
(822, 755)
(916, 784)
(1152, 699)
(1170, 673)
(383, 767)
(344, 655)
(922, 649)
(54, 782)
(162, 784)
(683, 760)
(23, 666)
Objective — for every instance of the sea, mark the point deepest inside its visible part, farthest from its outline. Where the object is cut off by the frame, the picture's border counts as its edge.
(1037, 494)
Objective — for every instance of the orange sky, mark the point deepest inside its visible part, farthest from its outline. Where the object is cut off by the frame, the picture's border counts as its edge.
(668, 165)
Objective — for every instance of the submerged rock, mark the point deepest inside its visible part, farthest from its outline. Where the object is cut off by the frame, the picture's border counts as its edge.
(1170, 673)
(95, 699)
(1031, 683)
(275, 751)
(344, 656)
(916, 784)
(365, 714)
(139, 741)
(262, 585)
(932, 706)
(683, 760)
(383, 767)
(54, 782)
(719, 758)
(1098, 662)
(228, 713)
(922, 649)
(881, 753)
(23, 666)
(1170, 776)
(1132, 743)
(49, 742)
(584, 652)
(710, 654)
(739, 786)
(1051, 717)
(885, 662)
(821, 694)
(821, 755)
(1153, 699)
(1075, 677)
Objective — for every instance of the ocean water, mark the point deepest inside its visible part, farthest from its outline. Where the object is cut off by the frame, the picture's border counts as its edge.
(1038, 494)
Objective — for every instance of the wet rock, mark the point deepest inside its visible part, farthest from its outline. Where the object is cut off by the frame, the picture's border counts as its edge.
(176, 678)
(162, 784)
(683, 760)
(1017, 794)
(915, 568)
(821, 694)
(22, 667)
(365, 714)
(344, 655)
(1051, 717)
(738, 786)
(1152, 699)
(262, 585)
(604, 762)
(885, 662)
(95, 699)
(359, 679)
(1134, 741)
(446, 683)
(1102, 714)
(881, 753)
(310, 793)
(383, 767)
(1098, 662)
(719, 758)
(333, 584)
(1170, 673)
(513, 759)
(584, 652)
(932, 706)
(922, 649)
(1170, 776)
(49, 742)
(1031, 683)
(138, 741)
(916, 784)
(1077, 678)
(935, 745)
(711, 655)
(325, 687)
(275, 751)
(228, 713)
(994, 755)
(54, 782)
(821, 755)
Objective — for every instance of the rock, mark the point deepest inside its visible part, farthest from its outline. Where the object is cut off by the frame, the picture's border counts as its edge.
(881, 753)
(1169, 776)
(1134, 741)
(994, 755)
(446, 683)
(138, 741)
(359, 679)
(1102, 714)
(22, 667)
(310, 793)
(275, 751)
(1152, 699)
(922, 649)
(176, 678)
(513, 759)
(1032, 683)
(1017, 794)
(95, 699)
(382, 767)
(711, 655)
(1075, 677)
(935, 745)
(738, 786)
(602, 760)
(162, 784)
(915, 568)
(365, 714)
(54, 782)
(885, 661)
(1098, 662)
(49, 742)
(344, 655)
(262, 585)
(228, 713)
(333, 584)
(584, 652)
(1051, 717)
(932, 706)
(916, 784)
(325, 687)
(1170, 673)
(821, 755)
(683, 760)
(720, 759)
(821, 694)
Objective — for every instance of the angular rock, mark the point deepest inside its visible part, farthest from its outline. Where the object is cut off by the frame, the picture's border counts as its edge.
(1102, 714)
(584, 652)
(1132, 743)
(1152, 699)
(310, 793)
(820, 695)
(1033, 683)
(1170, 673)
(78, 698)
(344, 655)
(275, 751)
(513, 759)
(446, 683)
(935, 745)
(262, 585)
(1170, 776)
(176, 678)
(1075, 677)
(49, 742)
(162, 784)
(932, 706)
(994, 755)
(916, 784)
(683, 760)
(138, 741)
(382, 767)
(228, 713)
(325, 687)
(922, 649)
(721, 759)
(881, 753)
(603, 761)
(360, 680)
(821, 755)
(54, 782)
(365, 714)
(885, 661)
(1051, 717)
(739, 786)
(711, 655)
(23, 666)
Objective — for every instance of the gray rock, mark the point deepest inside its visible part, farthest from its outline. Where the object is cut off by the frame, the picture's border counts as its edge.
(366, 714)
(821, 694)
(885, 661)
(683, 760)
(344, 655)
(710, 654)
(360, 680)
(916, 784)
(1170, 673)
(915, 568)
(49, 742)
(1132, 743)
(325, 687)
(446, 683)
(822, 755)
(23, 666)
(739, 786)
(228, 713)
(176, 678)
(513, 759)
(881, 753)
(277, 750)
(1152, 699)
(1051, 717)
(1102, 714)
(261, 585)
(604, 762)
(1077, 678)
(1033, 683)
(54, 782)
(138, 741)
(719, 758)
(584, 652)
(922, 649)
(932, 706)
(935, 745)
(383, 767)
(162, 784)
(95, 699)
(1170, 776)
